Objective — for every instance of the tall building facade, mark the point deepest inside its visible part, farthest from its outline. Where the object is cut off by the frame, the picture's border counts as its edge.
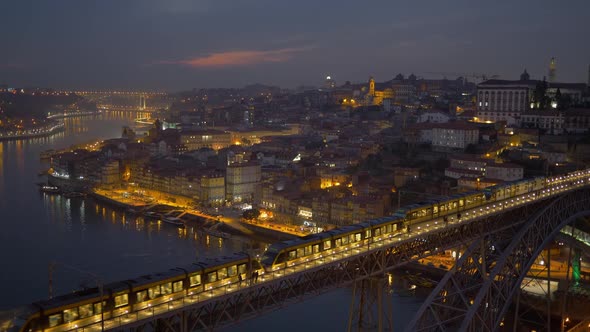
(243, 182)
(503, 100)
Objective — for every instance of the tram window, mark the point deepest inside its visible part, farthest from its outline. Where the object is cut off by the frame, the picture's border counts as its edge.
(98, 307)
(292, 254)
(307, 250)
(177, 286)
(55, 320)
(344, 240)
(327, 244)
(121, 300)
(435, 209)
(352, 238)
(394, 227)
(212, 277)
(195, 280)
(70, 315)
(167, 288)
(232, 270)
(388, 229)
(154, 292)
(377, 231)
(141, 296)
(222, 273)
(454, 204)
(461, 202)
(357, 237)
(85, 310)
(367, 233)
(242, 268)
(316, 248)
(338, 242)
(300, 252)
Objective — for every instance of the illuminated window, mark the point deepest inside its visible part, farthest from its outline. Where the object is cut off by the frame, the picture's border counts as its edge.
(154, 292)
(316, 248)
(70, 315)
(212, 277)
(167, 288)
(121, 300)
(292, 254)
(177, 286)
(222, 273)
(85, 310)
(232, 270)
(300, 252)
(98, 307)
(344, 240)
(242, 268)
(327, 244)
(307, 250)
(141, 296)
(195, 279)
(55, 320)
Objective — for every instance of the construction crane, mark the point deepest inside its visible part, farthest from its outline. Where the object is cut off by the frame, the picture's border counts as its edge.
(482, 77)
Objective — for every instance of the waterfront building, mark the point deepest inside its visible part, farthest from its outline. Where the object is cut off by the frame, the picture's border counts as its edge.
(243, 182)
(110, 173)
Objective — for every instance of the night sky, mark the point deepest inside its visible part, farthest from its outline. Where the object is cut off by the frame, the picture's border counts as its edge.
(180, 44)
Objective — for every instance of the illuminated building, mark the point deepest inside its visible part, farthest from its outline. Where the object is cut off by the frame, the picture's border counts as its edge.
(454, 135)
(208, 138)
(243, 182)
(503, 100)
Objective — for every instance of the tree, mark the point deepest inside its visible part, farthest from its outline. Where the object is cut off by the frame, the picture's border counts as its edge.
(540, 98)
(251, 214)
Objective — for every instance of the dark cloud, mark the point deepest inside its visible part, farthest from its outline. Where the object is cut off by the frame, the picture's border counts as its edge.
(108, 43)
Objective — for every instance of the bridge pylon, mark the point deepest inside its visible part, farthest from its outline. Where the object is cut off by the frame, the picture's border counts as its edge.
(371, 305)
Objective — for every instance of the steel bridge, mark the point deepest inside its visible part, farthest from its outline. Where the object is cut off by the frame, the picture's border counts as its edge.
(502, 239)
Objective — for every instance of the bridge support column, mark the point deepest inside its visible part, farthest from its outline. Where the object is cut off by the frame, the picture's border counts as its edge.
(367, 300)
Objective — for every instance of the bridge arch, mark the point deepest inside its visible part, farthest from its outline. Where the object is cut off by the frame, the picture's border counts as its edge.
(471, 298)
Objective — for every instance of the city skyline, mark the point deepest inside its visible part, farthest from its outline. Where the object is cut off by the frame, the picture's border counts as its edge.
(181, 44)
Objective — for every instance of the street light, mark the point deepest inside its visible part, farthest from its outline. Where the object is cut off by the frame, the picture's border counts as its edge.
(97, 279)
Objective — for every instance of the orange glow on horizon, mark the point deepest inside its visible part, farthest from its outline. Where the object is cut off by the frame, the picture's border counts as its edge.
(238, 58)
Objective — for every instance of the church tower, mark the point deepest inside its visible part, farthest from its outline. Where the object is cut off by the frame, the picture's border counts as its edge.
(552, 70)
(372, 86)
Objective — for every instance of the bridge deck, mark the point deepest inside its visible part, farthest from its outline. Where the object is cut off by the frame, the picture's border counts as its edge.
(335, 257)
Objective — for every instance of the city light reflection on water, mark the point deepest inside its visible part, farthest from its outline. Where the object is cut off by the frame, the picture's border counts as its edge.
(39, 228)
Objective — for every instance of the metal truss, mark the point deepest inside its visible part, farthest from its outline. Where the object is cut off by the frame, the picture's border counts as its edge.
(265, 296)
(477, 292)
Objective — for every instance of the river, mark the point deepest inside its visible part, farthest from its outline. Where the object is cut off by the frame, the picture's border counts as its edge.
(90, 241)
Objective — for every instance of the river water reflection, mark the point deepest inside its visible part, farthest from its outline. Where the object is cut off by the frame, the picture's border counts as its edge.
(37, 229)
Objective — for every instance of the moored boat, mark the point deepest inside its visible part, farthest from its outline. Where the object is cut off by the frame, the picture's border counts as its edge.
(49, 189)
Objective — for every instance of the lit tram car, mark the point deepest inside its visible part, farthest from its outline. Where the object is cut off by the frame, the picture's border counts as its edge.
(87, 307)
(79, 308)
(84, 307)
